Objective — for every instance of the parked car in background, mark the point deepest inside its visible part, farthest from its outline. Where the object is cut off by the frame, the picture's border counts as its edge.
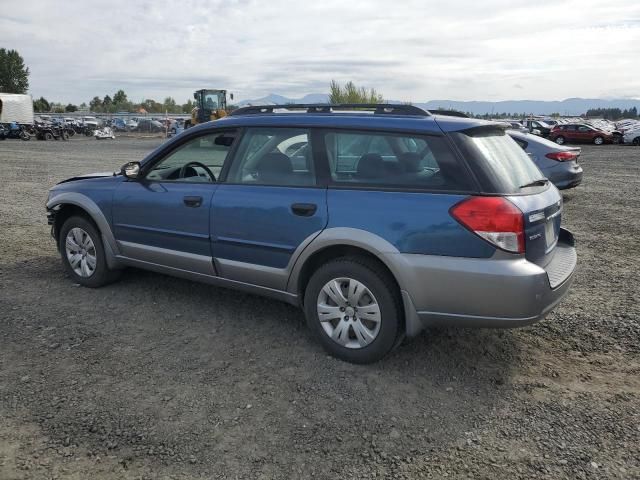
(580, 133)
(90, 123)
(515, 125)
(146, 125)
(632, 135)
(556, 162)
(176, 127)
(118, 124)
(394, 221)
(132, 124)
(543, 128)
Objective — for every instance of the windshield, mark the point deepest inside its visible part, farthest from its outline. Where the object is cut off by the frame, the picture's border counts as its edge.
(500, 164)
(213, 100)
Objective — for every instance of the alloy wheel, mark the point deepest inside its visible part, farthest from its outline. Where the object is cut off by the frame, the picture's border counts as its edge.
(349, 312)
(81, 252)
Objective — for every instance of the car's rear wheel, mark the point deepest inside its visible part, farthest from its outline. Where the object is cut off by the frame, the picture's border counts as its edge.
(354, 309)
(598, 140)
(560, 140)
(82, 253)
(636, 141)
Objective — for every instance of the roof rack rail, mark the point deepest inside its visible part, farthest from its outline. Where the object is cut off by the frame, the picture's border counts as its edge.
(378, 108)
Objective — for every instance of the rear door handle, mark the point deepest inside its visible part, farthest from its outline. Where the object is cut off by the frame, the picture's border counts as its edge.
(193, 201)
(304, 209)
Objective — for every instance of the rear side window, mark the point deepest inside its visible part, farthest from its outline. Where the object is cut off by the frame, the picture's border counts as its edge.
(392, 160)
(274, 156)
(500, 164)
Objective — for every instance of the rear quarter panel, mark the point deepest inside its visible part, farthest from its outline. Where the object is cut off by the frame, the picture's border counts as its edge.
(411, 222)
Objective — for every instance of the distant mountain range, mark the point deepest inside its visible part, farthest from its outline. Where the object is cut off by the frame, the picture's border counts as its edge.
(568, 107)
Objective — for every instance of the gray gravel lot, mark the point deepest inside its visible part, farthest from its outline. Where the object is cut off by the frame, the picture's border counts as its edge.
(156, 377)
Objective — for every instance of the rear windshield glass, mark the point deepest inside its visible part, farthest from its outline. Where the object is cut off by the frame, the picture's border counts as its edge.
(501, 165)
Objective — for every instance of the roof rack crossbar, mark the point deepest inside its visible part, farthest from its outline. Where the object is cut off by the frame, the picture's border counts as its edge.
(378, 108)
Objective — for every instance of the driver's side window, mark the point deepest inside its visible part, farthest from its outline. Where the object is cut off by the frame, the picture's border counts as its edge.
(199, 160)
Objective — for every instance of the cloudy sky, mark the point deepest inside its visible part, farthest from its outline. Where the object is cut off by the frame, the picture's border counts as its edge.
(408, 50)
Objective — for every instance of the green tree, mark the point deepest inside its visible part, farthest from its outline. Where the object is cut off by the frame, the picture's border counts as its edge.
(95, 105)
(152, 106)
(70, 108)
(350, 93)
(120, 97)
(41, 105)
(106, 103)
(187, 107)
(170, 105)
(57, 107)
(14, 76)
(83, 106)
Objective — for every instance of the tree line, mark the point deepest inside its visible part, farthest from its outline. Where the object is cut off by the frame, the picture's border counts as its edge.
(119, 102)
(613, 113)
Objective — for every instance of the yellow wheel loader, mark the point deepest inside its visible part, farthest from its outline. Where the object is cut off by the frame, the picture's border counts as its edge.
(210, 105)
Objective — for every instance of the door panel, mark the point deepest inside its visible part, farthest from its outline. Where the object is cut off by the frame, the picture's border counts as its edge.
(153, 220)
(257, 224)
(164, 218)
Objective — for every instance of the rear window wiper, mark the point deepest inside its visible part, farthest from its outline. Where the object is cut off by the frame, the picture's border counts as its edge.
(536, 183)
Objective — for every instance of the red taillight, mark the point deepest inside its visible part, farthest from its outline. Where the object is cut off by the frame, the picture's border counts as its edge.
(562, 156)
(495, 219)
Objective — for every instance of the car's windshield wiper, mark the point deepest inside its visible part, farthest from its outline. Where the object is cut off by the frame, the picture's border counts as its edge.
(536, 183)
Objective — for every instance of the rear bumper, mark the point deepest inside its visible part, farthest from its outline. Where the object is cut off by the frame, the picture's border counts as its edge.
(496, 292)
(568, 177)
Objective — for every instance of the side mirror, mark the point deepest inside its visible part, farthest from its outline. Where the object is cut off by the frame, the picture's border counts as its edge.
(131, 170)
(231, 96)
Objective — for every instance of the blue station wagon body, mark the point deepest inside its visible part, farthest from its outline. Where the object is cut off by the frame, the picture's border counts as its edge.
(438, 220)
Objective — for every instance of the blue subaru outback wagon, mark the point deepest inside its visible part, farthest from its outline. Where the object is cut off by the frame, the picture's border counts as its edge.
(377, 220)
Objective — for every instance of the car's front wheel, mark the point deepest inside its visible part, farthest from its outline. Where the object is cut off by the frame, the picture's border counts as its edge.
(598, 140)
(82, 253)
(354, 308)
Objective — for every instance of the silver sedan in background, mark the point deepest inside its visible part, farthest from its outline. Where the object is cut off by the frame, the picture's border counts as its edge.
(559, 163)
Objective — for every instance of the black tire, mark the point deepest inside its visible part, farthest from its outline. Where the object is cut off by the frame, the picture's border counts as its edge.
(48, 136)
(102, 275)
(64, 136)
(71, 132)
(636, 141)
(560, 140)
(598, 140)
(383, 288)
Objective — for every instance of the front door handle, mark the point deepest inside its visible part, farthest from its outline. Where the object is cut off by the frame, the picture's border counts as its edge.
(304, 209)
(192, 201)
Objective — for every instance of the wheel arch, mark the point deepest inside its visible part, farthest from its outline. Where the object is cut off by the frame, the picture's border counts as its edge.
(66, 204)
(345, 242)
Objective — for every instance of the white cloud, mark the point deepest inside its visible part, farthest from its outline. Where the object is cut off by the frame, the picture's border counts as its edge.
(408, 50)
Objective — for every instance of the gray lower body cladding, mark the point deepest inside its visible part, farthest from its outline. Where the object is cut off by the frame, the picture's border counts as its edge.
(496, 292)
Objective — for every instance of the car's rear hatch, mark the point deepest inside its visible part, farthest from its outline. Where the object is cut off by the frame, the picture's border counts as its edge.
(542, 218)
(503, 169)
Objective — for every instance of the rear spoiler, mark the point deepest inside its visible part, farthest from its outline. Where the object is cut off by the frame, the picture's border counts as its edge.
(488, 129)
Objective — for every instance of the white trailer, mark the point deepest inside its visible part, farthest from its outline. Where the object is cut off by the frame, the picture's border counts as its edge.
(16, 108)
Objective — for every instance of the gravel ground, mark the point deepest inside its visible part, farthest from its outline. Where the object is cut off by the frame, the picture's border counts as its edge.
(156, 377)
